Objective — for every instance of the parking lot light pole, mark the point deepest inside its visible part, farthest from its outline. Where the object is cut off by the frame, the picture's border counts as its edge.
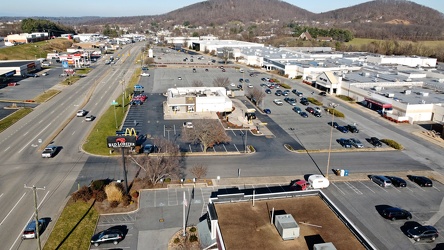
(114, 103)
(36, 214)
(331, 137)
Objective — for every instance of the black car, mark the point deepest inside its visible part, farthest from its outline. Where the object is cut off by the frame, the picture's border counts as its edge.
(395, 213)
(323, 93)
(421, 180)
(397, 182)
(352, 128)
(375, 142)
(268, 91)
(305, 102)
(278, 92)
(423, 232)
(109, 235)
(346, 143)
(303, 114)
(317, 113)
(342, 129)
(333, 124)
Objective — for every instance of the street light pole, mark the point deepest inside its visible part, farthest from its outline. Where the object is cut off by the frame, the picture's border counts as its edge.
(331, 137)
(36, 214)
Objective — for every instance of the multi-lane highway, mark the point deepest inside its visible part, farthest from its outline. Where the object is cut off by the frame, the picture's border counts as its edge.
(21, 162)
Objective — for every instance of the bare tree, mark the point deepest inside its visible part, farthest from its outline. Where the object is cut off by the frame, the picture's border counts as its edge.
(206, 132)
(197, 83)
(199, 171)
(227, 53)
(166, 162)
(257, 94)
(221, 82)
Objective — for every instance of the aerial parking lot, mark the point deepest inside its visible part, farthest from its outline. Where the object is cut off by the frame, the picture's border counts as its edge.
(364, 201)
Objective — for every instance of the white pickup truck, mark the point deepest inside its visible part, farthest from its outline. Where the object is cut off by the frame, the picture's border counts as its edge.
(49, 151)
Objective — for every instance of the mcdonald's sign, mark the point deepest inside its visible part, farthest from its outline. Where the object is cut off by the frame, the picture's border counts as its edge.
(130, 132)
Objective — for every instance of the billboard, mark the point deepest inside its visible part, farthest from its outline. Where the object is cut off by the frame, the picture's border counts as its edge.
(121, 141)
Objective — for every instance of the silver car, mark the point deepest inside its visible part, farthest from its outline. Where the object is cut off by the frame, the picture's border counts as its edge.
(381, 180)
(357, 143)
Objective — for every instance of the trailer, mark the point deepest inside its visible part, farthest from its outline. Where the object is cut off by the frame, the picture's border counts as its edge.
(318, 181)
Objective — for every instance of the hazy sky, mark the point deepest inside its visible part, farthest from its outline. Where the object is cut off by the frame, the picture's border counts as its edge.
(117, 8)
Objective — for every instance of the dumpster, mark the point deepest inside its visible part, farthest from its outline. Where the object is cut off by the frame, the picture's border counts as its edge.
(342, 172)
(345, 172)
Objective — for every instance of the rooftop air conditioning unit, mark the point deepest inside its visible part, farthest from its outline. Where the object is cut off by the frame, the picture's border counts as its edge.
(324, 246)
(287, 226)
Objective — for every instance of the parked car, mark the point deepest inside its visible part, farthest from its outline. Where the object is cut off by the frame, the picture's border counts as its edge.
(285, 92)
(297, 110)
(188, 125)
(395, 213)
(303, 114)
(290, 101)
(421, 180)
(352, 128)
(317, 113)
(381, 180)
(423, 232)
(179, 78)
(278, 92)
(357, 143)
(342, 129)
(323, 93)
(30, 231)
(333, 124)
(310, 110)
(375, 142)
(267, 111)
(145, 74)
(268, 91)
(247, 81)
(304, 102)
(250, 85)
(397, 182)
(109, 235)
(81, 113)
(278, 102)
(44, 73)
(148, 148)
(241, 80)
(346, 143)
(32, 75)
(296, 92)
(239, 86)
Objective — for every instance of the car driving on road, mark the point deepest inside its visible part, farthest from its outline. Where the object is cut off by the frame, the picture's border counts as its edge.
(81, 113)
(49, 151)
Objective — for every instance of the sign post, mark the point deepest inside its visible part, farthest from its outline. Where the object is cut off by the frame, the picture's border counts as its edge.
(122, 142)
(114, 103)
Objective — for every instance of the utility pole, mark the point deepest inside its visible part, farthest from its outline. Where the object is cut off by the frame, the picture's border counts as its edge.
(36, 214)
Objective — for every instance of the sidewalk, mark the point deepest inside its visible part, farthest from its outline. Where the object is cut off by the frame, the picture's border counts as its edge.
(285, 180)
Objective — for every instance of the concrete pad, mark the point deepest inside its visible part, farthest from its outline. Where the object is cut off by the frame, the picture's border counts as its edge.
(155, 239)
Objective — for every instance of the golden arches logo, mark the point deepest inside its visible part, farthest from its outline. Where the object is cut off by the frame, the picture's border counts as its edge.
(130, 132)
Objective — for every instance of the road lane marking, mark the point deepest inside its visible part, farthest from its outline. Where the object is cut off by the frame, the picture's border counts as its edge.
(6, 149)
(13, 208)
(26, 145)
(26, 133)
(1, 195)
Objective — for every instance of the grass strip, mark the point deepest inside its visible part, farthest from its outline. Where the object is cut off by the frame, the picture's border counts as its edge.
(13, 118)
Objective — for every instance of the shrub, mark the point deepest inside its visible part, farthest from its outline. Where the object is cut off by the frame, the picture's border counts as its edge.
(114, 192)
(84, 193)
(113, 204)
(314, 101)
(335, 112)
(135, 194)
(176, 241)
(193, 238)
(168, 180)
(126, 200)
(392, 144)
(193, 229)
(99, 195)
(285, 86)
(99, 184)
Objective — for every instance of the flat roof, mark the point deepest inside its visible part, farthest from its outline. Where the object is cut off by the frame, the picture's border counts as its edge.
(243, 226)
(14, 63)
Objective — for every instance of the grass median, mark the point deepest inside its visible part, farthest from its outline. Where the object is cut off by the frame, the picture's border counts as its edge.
(75, 227)
(109, 122)
(13, 118)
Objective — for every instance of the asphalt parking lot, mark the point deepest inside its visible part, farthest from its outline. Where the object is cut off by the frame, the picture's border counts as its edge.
(360, 201)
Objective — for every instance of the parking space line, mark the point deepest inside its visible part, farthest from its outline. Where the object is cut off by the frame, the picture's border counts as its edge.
(232, 131)
(225, 148)
(236, 147)
(338, 188)
(436, 189)
(173, 196)
(353, 187)
(114, 224)
(189, 145)
(397, 189)
(409, 189)
(367, 187)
